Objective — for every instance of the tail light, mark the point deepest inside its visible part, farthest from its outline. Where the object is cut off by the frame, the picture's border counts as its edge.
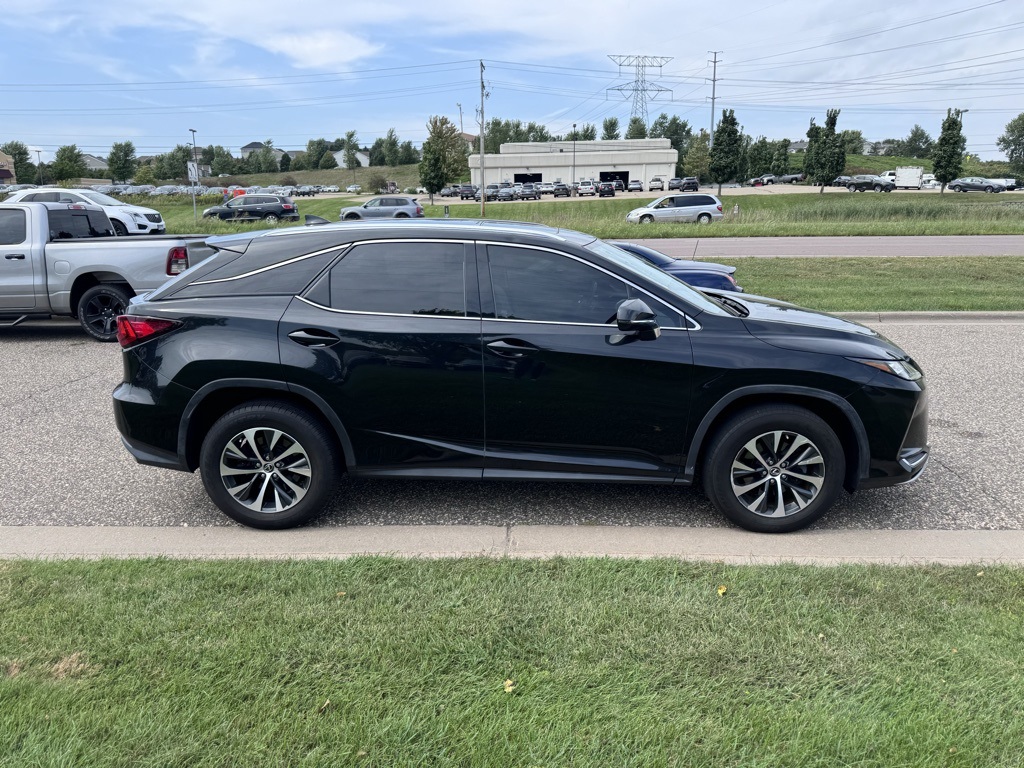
(419, 211)
(719, 208)
(730, 278)
(287, 207)
(132, 329)
(177, 260)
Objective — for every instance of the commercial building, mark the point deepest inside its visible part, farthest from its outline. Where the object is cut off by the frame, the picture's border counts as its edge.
(7, 169)
(641, 159)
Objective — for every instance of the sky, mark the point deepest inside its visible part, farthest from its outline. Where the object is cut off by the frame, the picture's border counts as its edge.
(95, 72)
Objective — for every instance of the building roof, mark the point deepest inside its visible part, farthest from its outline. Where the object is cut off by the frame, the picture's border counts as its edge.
(254, 145)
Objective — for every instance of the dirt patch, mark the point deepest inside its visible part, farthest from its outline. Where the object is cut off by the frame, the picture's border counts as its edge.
(12, 668)
(70, 666)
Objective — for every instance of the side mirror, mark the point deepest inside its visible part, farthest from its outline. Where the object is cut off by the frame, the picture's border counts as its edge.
(633, 315)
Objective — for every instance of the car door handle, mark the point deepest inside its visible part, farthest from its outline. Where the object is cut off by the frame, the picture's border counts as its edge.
(511, 348)
(313, 337)
(19, 256)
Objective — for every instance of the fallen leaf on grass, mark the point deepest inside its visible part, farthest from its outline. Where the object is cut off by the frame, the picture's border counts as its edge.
(323, 709)
(510, 685)
(722, 590)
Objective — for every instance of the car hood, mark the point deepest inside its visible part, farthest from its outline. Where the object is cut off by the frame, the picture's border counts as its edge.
(137, 209)
(788, 326)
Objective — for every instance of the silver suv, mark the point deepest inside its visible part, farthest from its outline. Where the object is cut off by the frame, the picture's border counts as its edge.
(700, 208)
(388, 207)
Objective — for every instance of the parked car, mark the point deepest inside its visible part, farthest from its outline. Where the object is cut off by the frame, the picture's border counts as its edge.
(699, 274)
(561, 190)
(675, 183)
(765, 180)
(635, 186)
(619, 186)
(268, 208)
(353, 189)
(865, 182)
(790, 178)
(690, 184)
(375, 372)
(63, 259)
(656, 184)
(448, 192)
(126, 219)
(166, 189)
(546, 188)
(389, 207)
(841, 181)
(529, 191)
(586, 188)
(505, 195)
(306, 190)
(700, 208)
(332, 188)
(975, 184)
(467, 192)
(606, 189)
(490, 192)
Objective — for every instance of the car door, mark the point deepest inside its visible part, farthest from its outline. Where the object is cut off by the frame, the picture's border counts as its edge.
(389, 338)
(567, 393)
(18, 261)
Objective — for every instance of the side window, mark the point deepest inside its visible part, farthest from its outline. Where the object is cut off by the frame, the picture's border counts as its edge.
(402, 278)
(685, 201)
(373, 203)
(12, 227)
(538, 285)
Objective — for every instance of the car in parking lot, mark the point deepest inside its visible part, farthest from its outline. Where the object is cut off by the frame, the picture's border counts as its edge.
(606, 189)
(619, 186)
(449, 191)
(255, 207)
(864, 182)
(690, 184)
(656, 184)
(546, 187)
(699, 274)
(635, 186)
(528, 191)
(387, 207)
(467, 192)
(498, 351)
(586, 188)
(353, 188)
(126, 219)
(675, 183)
(841, 181)
(975, 184)
(330, 188)
(306, 190)
(700, 208)
(505, 195)
(561, 190)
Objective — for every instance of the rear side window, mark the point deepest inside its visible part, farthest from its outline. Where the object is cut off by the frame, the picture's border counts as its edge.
(12, 227)
(402, 279)
(74, 223)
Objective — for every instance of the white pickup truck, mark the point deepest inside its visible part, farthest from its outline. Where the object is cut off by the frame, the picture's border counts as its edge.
(60, 259)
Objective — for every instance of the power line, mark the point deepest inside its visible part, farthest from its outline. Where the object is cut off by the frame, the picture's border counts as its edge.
(640, 89)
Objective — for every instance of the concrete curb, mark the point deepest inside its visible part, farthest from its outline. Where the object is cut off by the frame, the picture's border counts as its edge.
(727, 545)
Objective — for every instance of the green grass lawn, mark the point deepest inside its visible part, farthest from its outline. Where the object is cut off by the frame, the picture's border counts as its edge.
(381, 662)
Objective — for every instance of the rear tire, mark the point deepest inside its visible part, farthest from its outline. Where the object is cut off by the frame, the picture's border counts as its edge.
(704, 218)
(271, 218)
(98, 310)
(774, 468)
(269, 465)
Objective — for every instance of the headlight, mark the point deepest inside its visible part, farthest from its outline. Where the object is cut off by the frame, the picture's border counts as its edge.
(139, 218)
(902, 368)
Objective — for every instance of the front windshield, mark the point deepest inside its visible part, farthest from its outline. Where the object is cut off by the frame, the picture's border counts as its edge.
(673, 285)
(100, 199)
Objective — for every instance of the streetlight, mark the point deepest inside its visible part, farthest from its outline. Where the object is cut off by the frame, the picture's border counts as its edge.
(194, 177)
(960, 114)
(572, 181)
(39, 165)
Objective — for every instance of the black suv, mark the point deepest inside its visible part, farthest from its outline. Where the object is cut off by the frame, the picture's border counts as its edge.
(467, 192)
(501, 350)
(254, 207)
(606, 189)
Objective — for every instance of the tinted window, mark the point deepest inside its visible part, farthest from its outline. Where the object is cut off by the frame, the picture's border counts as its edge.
(402, 278)
(704, 200)
(12, 227)
(539, 285)
(75, 223)
(685, 201)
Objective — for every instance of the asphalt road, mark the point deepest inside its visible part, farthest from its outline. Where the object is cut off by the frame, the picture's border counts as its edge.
(736, 247)
(63, 463)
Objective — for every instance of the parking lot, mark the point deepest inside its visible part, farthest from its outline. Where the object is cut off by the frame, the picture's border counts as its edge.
(64, 463)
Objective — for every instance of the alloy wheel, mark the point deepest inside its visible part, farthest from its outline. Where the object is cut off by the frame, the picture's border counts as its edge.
(265, 470)
(777, 474)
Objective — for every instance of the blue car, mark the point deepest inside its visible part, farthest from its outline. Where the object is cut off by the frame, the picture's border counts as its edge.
(699, 274)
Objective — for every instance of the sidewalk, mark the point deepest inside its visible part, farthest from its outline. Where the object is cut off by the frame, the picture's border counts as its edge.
(727, 545)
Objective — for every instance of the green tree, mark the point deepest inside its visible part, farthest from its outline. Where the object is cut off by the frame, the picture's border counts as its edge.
(68, 163)
(315, 149)
(351, 147)
(337, 145)
(698, 157)
(759, 157)
(444, 155)
(917, 144)
(832, 155)
(812, 158)
(610, 129)
(636, 128)
(679, 134)
(392, 150)
(853, 141)
(407, 154)
(658, 127)
(298, 163)
(780, 157)
(285, 163)
(145, 175)
(1012, 143)
(24, 169)
(377, 152)
(173, 164)
(588, 132)
(121, 162)
(264, 160)
(223, 162)
(726, 150)
(328, 161)
(948, 156)
(206, 155)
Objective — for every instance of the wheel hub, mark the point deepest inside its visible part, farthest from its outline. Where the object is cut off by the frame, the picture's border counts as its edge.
(777, 474)
(265, 470)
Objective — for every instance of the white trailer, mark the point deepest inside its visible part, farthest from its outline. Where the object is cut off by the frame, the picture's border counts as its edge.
(909, 177)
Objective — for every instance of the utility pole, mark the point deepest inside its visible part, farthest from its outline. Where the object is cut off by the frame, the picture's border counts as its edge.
(483, 185)
(714, 82)
(461, 129)
(640, 89)
(194, 179)
(39, 165)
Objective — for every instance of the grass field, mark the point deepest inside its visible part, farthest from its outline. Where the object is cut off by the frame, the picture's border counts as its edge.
(380, 662)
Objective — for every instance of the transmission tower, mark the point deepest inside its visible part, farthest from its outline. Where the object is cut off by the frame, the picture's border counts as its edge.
(640, 89)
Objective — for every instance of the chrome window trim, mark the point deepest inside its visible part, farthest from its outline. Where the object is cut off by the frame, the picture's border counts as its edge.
(383, 314)
(686, 317)
(342, 248)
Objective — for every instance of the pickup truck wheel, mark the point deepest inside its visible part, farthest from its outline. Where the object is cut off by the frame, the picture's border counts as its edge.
(119, 228)
(774, 468)
(269, 465)
(271, 218)
(98, 310)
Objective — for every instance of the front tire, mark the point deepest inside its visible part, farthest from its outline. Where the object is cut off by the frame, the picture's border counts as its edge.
(647, 219)
(774, 468)
(98, 310)
(851, 188)
(269, 465)
(878, 187)
(119, 228)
